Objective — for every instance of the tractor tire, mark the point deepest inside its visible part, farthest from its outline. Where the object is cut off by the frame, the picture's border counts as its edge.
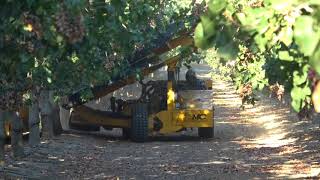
(206, 132)
(125, 133)
(139, 123)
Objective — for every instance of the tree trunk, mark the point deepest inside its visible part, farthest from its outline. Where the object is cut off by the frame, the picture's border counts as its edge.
(34, 121)
(55, 115)
(55, 118)
(2, 138)
(46, 109)
(16, 134)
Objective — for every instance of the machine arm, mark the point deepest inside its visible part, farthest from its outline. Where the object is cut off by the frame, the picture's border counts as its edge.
(100, 91)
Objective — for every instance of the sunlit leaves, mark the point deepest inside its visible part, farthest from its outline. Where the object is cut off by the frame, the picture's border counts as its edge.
(301, 91)
(298, 95)
(281, 6)
(314, 2)
(285, 56)
(287, 31)
(286, 35)
(203, 32)
(305, 35)
(249, 70)
(199, 37)
(255, 19)
(216, 6)
(117, 27)
(74, 58)
(208, 26)
(227, 49)
(261, 42)
(300, 77)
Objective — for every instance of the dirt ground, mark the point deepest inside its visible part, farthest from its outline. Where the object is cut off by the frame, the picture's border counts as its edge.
(264, 141)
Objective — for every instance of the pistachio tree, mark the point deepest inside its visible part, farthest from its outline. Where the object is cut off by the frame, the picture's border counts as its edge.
(56, 48)
(275, 43)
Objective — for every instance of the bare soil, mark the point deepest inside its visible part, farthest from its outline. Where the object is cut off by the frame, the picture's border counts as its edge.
(262, 141)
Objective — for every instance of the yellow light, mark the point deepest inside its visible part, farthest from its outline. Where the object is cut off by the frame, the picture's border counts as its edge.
(206, 112)
(192, 106)
(28, 27)
(170, 96)
(181, 116)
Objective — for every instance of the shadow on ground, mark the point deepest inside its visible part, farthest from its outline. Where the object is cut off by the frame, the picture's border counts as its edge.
(264, 141)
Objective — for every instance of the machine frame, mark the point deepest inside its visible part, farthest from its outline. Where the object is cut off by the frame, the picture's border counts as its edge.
(165, 121)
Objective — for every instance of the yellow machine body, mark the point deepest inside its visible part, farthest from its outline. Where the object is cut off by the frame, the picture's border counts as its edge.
(176, 120)
(183, 108)
(195, 110)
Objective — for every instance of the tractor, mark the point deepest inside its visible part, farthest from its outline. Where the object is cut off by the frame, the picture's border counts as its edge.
(164, 106)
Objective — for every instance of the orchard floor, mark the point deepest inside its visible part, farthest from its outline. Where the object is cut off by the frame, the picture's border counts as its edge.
(264, 141)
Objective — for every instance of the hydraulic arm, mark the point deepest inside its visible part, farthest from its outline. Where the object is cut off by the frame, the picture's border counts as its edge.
(100, 91)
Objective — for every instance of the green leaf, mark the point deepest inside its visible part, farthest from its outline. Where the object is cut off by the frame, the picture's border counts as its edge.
(286, 35)
(208, 26)
(299, 78)
(314, 2)
(254, 84)
(228, 51)
(199, 37)
(306, 91)
(261, 42)
(285, 56)
(296, 105)
(216, 6)
(255, 19)
(261, 86)
(299, 95)
(305, 36)
(282, 5)
(242, 18)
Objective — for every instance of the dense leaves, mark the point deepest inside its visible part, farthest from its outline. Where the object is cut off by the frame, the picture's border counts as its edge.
(72, 45)
(283, 36)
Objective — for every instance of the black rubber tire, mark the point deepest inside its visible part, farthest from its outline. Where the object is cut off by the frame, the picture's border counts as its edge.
(139, 123)
(83, 127)
(125, 133)
(206, 132)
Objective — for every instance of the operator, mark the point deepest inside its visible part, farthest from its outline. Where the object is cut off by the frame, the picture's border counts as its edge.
(192, 79)
(191, 76)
